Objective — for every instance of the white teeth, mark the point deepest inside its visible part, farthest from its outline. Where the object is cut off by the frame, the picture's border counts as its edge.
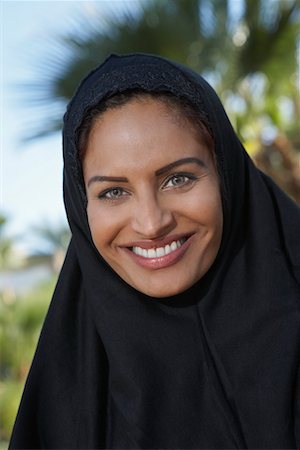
(139, 251)
(151, 253)
(167, 249)
(160, 251)
(174, 245)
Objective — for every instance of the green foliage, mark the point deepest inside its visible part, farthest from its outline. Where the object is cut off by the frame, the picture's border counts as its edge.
(20, 324)
(6, 243)
(233, 51)
(10, 395)
(251, 58)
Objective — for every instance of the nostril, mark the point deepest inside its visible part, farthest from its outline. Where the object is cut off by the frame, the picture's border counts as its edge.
(152, 221)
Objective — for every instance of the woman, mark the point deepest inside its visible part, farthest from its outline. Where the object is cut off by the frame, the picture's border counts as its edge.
(175, 320)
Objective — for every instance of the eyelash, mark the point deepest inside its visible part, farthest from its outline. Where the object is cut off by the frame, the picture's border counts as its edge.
(189, 178)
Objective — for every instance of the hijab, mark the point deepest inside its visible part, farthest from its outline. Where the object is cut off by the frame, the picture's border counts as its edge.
(214, 367)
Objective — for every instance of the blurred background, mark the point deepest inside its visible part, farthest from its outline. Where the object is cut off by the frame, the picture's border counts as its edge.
(249, 50)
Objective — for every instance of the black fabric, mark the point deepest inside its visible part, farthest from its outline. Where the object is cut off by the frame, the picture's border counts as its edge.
(214, 367)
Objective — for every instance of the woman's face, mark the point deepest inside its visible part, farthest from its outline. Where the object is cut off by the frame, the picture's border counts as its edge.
(154, 203)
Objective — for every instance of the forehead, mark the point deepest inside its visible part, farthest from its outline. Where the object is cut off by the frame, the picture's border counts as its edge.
(164, 103)
(139, 135)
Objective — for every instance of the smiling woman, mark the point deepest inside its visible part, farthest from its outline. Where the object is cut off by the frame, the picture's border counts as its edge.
(160, 226)
(175, 321)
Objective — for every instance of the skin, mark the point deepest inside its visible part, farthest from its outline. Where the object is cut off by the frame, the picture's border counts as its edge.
(152, 199)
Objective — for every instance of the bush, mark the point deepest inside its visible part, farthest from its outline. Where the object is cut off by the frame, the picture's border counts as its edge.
(21, 319)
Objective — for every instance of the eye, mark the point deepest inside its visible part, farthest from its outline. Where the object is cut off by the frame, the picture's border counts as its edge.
(115, 193)
(179, 180)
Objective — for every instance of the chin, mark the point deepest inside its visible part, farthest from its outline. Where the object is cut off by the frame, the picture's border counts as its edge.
(164, 291)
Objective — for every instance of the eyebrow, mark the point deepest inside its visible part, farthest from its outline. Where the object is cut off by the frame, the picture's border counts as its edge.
(179, 162)
(104, 178)
(161, 171)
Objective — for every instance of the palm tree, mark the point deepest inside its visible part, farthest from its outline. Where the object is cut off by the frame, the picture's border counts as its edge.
(204, 35)
(249, 56)
(55, 241)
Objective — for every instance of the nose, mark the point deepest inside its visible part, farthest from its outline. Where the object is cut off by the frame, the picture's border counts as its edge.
(151, 219)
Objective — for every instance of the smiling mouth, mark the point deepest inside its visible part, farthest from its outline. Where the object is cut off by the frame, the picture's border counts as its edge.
(158, 252)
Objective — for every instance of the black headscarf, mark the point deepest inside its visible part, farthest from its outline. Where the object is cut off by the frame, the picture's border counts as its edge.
(214, 367)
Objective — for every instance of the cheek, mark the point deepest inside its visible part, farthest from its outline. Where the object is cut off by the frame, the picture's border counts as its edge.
(102, 225)
(108, 224)
(212, 211)
(205, 206)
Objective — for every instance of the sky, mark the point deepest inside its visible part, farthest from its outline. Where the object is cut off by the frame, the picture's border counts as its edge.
(30, 173)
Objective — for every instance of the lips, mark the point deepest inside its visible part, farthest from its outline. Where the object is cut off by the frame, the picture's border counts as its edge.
(159, 253)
